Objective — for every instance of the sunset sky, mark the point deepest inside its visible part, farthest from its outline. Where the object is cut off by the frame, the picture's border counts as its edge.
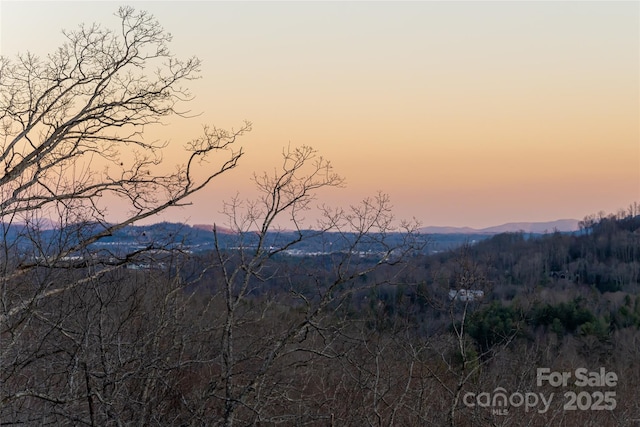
(465, 113)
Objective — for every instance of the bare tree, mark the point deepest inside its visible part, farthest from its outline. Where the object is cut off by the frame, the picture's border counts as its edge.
(72, 139)
(252, 356)
(72, 135)
(463, 360)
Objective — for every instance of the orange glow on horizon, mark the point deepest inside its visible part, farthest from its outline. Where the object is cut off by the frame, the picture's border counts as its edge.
(467, 114)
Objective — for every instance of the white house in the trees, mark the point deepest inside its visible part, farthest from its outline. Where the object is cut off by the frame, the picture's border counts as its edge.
(465, 294)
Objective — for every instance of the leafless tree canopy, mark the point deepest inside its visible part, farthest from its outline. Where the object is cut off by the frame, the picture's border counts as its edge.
(72, 127)
(86, 341)
(73, 135)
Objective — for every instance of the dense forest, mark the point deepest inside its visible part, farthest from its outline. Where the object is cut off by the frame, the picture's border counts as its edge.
(343, 338)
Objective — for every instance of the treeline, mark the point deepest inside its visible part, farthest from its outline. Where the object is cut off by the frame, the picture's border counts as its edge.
(562, 283)
(565, 282)
(349, 338)
(604, 254)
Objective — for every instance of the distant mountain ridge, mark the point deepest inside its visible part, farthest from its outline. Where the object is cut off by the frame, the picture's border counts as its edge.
(199, 238)
(563, 225)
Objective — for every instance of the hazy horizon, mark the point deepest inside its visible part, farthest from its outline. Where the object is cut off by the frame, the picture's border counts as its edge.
(467, 114)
